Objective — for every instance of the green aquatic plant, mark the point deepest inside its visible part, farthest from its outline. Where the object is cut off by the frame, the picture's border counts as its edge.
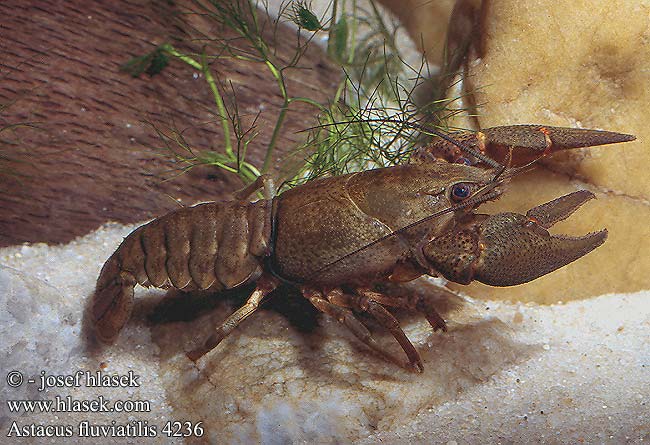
(366, 123)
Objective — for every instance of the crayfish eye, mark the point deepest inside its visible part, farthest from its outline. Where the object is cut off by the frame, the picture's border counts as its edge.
(463, 161)
(460, 191)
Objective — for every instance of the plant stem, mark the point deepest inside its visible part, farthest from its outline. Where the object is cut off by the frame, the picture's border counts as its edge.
(332, 27)
(280, 120)
(218, 100)
(204, 67)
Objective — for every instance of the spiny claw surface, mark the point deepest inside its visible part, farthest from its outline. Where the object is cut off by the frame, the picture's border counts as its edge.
(508, 248)
(559, 209)
(529, 142)
(516, 145)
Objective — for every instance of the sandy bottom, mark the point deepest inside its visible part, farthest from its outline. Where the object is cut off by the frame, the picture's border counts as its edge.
(504, 373)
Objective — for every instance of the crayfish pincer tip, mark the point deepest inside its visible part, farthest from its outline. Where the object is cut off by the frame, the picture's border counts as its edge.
(579, 137)
(601, 236)
(560, 208)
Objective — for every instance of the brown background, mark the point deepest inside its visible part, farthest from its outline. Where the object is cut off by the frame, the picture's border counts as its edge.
(90, 157)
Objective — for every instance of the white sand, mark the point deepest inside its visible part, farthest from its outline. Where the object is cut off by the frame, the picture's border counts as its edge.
(513, 373)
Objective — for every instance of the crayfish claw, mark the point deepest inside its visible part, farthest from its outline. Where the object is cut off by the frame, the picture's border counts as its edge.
(514, 145)
(543, 137)
(516, 250)
(522, 144)
(507, 249)
(559, 209)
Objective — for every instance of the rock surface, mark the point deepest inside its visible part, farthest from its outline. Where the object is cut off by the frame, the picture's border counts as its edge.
(576, 65)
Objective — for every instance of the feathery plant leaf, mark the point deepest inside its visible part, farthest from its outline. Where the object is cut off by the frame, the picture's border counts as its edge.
(152, 63)
(364, 125)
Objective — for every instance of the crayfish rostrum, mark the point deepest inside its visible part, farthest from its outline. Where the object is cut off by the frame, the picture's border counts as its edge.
(336, 237)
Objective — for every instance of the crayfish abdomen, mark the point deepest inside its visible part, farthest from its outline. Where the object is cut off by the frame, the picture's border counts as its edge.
(208, 246)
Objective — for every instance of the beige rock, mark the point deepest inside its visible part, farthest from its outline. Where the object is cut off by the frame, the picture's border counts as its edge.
(576, 64)
(426, 23)
(621, 263)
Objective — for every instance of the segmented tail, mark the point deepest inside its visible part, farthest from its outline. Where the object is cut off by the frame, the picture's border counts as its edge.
(113, 300)
(208, 246)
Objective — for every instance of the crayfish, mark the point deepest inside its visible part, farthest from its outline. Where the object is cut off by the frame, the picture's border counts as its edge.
(334, 238)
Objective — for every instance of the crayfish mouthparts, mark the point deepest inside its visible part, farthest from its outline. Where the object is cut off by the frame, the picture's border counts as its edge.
(507, 249)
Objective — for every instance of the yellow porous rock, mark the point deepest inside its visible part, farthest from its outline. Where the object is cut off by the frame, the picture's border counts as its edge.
(573, 64)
